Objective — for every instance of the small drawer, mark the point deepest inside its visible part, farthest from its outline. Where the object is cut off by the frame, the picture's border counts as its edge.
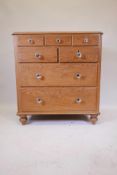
(64, 74)
(86, 39)
(45, 99)
(79, 54)
(29, 40)
(36, 54)
(58, 39)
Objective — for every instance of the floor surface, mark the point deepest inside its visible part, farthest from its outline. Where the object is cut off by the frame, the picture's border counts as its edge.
(68, 146)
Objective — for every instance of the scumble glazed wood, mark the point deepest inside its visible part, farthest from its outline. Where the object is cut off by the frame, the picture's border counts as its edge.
(58, 73)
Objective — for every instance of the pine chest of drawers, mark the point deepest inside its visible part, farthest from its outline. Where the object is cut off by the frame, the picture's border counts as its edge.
(58, 73)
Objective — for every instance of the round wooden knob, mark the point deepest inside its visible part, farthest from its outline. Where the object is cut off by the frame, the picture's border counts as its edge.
(38, 76)
(86, 40)
(58, 40)
(78, 75)
(78, 100)
(38, 55)
(39, 100)
(78, 54)
(30, 41)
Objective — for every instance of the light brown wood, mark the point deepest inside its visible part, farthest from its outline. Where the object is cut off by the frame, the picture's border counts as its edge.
(86, 39)
(55, 70)
(58, 74)
(57, 99)
(36, 54)
(60, 112)
(60, 32)
(58, 39)
(79, 54)
(29, 40)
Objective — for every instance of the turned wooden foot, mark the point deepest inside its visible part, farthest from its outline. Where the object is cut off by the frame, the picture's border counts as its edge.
(23, 119)
(93, 118)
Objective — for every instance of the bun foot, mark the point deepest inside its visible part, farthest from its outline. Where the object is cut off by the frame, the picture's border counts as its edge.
(94, 118)
(23, 119)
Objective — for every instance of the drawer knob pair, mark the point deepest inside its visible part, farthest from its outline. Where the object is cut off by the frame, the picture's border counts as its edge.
(39, 76)
(40, 101)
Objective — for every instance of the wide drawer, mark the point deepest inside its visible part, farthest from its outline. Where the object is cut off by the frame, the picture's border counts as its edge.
(36, 54)
(79, 54)
(58, 40)
(57, 99)
(86, 39)
(54, 74)
(29, 40)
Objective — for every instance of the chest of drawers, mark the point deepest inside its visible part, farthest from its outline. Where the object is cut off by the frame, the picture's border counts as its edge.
(58, 73)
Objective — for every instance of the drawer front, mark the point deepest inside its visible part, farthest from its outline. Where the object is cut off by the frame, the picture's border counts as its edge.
(29, 40)
(86, 39)
(64, 74)
(57, 99)
(79, 54)
(58, 40)
(36, 54)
